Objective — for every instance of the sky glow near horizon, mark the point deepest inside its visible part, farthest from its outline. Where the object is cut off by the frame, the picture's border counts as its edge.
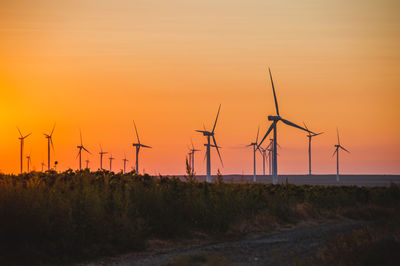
(97, 65)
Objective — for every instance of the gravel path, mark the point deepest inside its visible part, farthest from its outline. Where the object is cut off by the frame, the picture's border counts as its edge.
(273, 249)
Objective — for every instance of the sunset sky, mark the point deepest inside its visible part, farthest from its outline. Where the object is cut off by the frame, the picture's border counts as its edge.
(98, 65)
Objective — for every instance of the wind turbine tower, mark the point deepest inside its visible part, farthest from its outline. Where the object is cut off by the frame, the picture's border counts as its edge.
(81, 147)
(101, 156)
(337, 149)
(22, 139)
(275, 119)
(310, 135)
(111, 158)
(125, 160)
(209, 135)
(28, 158)
(255, 148)
(191, 157)
(49, 142)
(138, 145)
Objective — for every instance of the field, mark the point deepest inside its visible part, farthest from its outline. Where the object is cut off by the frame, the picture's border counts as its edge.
(73, 216)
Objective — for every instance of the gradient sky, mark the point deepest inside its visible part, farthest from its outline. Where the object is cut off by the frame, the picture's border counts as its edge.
(97, 65)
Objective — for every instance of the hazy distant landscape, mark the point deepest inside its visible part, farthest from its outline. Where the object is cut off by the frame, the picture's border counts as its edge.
(325, 180)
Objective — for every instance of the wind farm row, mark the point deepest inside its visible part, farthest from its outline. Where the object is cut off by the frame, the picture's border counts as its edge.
(268, 151)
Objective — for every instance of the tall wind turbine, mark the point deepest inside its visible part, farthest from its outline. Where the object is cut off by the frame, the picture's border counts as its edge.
(49, 141)
(275, 119)
(125, 160)
(191, 157)
(138, 145)
(28, 158)
(101, 156)
(22, 139)
(209, 135)
(337, 149)
(255, 148)
(81, 147)
(310, 135)
(111, 158)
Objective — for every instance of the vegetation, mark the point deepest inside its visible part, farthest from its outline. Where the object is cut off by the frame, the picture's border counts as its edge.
(63, 217)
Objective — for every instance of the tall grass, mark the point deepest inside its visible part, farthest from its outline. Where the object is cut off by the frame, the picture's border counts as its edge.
(62, 217)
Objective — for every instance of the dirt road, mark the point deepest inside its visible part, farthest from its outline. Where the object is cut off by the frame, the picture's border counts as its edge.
(273, 249)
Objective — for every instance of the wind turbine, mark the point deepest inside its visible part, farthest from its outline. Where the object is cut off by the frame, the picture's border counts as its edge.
(337, 149)
(28, 158)
(310, 135)
(191, 157)
(87, 164)
(210, 134)
(255, 148)
(275, 119)
(125, 160)
(111, 158)
(43, 165)
(81, 147)
(101, 156)
(49, 141)
(138, 145)
(22, 138)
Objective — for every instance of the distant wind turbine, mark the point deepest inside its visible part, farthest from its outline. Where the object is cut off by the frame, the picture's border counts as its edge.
(255, 148)
(81, 147)
(22, 139)
(43, 165)
(111, 158)
(125, 160)
(28, 158)
(310, 135)
(209, 134)
(87, 163)
(101, 156)
(49, 141)
(275, 119)
(191, 157)
(138, 145)
(337, 149)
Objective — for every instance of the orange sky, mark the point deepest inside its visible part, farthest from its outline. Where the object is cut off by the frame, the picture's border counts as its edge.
(97, 65)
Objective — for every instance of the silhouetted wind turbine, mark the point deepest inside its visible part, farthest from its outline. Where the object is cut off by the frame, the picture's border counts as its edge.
(310, 135)
(22, 139)
(49, 141)
(125, 160)
(28, 158)
(191, 157)
(101, 156)
(138, 145)
(43, 164)
(275, 119)
(337, 149)
(111, 158)
(87, 163)
(209, 134)
(81, 147)
(255, 148)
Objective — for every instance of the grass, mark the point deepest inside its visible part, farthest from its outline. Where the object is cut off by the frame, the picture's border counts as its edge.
(71, 216)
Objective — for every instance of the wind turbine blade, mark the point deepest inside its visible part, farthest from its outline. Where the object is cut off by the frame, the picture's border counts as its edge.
(316, 134)
(305, 126)
(216, 119)
(51, 142)
(201, 131)
(273, 89)
(27, 135)
(137, 135)
(338, 139)
(86, 150)
(258, 131)
(19, 132)
(145, 146)
(80, 132)
(344, 149)
(294, 125)
(51, 134)
(266, 134)
(216, 146)
(79, 152)
(335, 152)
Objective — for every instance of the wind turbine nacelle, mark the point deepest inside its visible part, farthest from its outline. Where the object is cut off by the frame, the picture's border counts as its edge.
(273, 118)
